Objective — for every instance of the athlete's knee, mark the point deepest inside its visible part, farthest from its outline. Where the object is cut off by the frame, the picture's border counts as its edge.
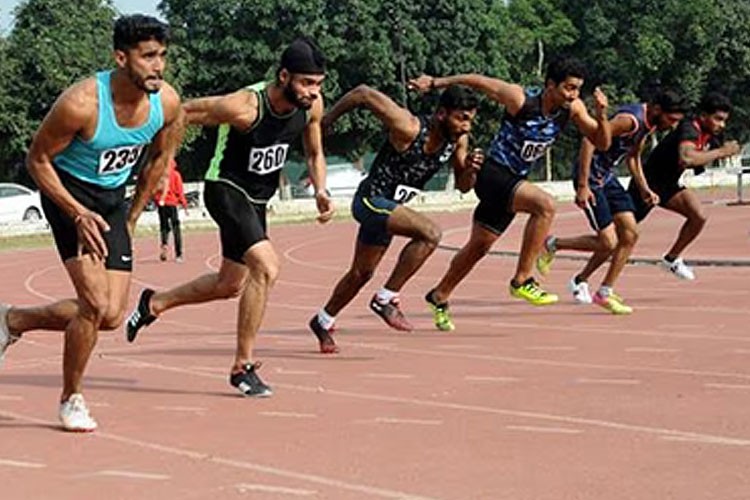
(268, 270)
(433, 235)
(113, 318)
(628, 236)
(93, 308)
(360, 275)
(607, 242)
(699, 219)
(545, 207)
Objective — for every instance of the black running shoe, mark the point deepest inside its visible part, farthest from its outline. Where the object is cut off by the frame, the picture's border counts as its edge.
(327, 344)
(249, 383)
(141, 315)
(391, 313)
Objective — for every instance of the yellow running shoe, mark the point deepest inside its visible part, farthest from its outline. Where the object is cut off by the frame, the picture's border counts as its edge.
(545, 259)
(532, 293)
(440, 314)
(612, 303)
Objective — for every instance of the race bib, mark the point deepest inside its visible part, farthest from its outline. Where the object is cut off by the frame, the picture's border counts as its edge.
(269, 159)
(531, 151)
(404, 194)
(115, 160)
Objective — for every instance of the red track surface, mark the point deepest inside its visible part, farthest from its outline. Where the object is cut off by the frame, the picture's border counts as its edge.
(522, 403)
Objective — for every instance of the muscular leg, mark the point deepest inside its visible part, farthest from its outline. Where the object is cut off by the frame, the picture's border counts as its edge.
(687, 204)
(541, 208)
(425, 236)
(627, 236)
(366, 260)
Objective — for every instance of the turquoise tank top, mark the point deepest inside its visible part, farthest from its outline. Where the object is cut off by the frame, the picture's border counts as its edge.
(108, 158)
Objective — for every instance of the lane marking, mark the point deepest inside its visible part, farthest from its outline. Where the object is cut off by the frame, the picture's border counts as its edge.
(279, 490)
(21, 464)
(608, 381)
(550, 430)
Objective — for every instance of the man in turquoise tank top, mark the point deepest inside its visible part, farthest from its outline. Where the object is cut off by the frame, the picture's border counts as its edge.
(81, 157)
(257, 124)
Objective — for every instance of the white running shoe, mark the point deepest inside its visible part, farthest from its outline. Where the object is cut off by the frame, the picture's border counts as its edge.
(580, 291)
(678, 268)
(74, 415)
(6, 338)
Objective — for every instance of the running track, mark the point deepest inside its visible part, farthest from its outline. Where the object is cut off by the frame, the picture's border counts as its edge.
(521, 403)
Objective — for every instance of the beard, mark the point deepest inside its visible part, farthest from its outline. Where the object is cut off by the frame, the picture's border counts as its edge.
(294, 99)
(448, 134)
(140, 82)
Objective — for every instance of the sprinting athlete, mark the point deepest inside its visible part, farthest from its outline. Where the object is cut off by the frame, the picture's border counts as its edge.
(416, 148)
(606, 204)
(533, 120)
(257, 126)
(80, 158)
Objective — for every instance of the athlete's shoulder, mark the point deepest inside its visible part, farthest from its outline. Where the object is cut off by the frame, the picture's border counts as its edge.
(170, 101)
(80, 100)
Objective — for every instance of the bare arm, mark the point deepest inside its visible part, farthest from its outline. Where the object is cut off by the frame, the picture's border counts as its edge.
(402, 126)
(585, 157)
(509, 95)
(74, 110)
(161, 151)
(596, 129)
(238, 109)
(692, 157)
(466, 164)
(316, 161)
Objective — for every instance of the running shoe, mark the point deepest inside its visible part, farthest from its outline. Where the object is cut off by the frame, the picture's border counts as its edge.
(531, 292)
(440, 314)
(612, 303)
(6, 338)
(141, 315)
(580, 291)
(325, 341)
(678, 268)
(74, 415)
(545, 259)
(391, 313)
(249, 383)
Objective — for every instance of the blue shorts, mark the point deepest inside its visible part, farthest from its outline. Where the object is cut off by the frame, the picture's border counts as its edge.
(372, 214)
(611, 198)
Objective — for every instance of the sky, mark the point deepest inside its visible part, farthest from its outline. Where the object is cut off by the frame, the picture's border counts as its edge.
(125, 6)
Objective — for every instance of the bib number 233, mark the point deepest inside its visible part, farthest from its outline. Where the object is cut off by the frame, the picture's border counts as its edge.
(269, 159)
(115, 160)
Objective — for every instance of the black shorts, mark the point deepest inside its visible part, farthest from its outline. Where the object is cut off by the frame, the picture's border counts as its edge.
(611, 198)
(109, 203)
(666, 192)
(241, 222)
(495, 187)
(372, 213)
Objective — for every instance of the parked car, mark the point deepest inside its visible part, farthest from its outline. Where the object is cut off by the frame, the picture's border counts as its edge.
(19, 203)
(342, 179)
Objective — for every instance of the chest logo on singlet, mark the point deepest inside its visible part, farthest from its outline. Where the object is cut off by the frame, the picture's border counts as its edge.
(115, 160)
(263, 161)
(531, 151)
(446, 154)
(404, 194)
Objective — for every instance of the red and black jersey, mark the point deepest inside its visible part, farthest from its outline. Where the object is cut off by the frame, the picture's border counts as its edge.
(664, 166)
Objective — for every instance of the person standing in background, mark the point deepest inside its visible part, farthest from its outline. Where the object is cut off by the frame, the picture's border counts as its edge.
(168, 196)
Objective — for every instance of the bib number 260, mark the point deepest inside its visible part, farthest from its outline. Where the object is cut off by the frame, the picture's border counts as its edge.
(269, 159)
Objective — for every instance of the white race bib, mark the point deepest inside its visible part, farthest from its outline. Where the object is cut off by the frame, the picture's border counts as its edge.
(404, 194)
(115, 160)
(269, 159)
(531, 151)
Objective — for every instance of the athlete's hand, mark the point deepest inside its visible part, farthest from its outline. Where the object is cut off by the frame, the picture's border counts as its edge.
(325, 206)
(651, 198)
(475, 160)
(90, 226)
(731, 148)
(584, 197)
(600, 102)
(422, 84)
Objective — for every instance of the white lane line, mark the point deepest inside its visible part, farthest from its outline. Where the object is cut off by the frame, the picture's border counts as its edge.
(187, 409)
(549, 430)
(10, 397)
(292, 342)
(727, 386)
(21, 464)
(410, 421)
(482, 378)
(654, 350)
(279, 490)
(397, 376)
(130, 475)
(457, 346)
(741, 351)
(608, 381)
(286, 414)
(551, 348)
(282, 371)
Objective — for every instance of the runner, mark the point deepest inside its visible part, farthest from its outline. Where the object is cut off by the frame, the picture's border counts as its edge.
(80, 158)
(416, 148)
(533, 120)
(257, 125)
(605, 202)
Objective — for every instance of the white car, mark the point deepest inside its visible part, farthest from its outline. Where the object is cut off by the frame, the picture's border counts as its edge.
(19, 203)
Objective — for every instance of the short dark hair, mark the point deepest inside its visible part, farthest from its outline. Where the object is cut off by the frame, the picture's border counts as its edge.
(458, 97)
(131, 30)
(713, 102)
(670, 101)
(563, 67)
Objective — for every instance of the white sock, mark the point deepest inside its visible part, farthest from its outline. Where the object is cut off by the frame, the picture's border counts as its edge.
(325, 319)
(605, 291)
(551, 244)
(384, 295)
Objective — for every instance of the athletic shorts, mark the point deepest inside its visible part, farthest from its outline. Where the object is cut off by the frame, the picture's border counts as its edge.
(109, 203)
(495, 187)
(241, 222)
(611, 198)
(665, 191)
(372, 214)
